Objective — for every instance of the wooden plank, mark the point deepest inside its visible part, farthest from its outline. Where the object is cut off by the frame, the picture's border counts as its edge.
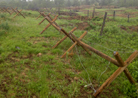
(49, 24)
(122, 64)
(73, 45)
(64, 38)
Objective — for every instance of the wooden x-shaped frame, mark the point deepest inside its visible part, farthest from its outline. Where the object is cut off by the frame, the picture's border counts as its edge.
(53, 21)
(75, 43)
(64, 32)
(14, 11)
(118, 62)
(6, 10)
(44, 18)
(41, 14)
(19, 12)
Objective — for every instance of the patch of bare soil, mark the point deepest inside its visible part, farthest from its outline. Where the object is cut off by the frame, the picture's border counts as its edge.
(68, 13)
(82, 26)
(132, 28)
(82, 18)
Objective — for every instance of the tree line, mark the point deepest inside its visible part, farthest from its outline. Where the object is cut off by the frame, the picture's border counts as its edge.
(36, 4)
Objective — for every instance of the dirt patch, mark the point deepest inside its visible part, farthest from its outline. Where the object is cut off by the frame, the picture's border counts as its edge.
(132, 28)
(68, 13)
(82, 18)
(82, 26)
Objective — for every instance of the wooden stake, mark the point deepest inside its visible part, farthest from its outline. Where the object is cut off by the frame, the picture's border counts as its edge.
(114, 15)
(78, 41)
(128, 18)
(93, 12)
(103, 24)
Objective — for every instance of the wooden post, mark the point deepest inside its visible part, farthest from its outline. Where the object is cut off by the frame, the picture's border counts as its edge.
(114, 15)
(88, 13)
(93, 12)
(128, 18)
(70, 12)
(20, 13)
(78, 42)
(103, 23)
(58, 10)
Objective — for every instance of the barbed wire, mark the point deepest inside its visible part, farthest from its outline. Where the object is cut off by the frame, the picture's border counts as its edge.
(112, 42)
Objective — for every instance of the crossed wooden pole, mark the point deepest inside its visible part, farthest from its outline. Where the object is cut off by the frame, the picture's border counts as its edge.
(14, 11)
(77, 41)
(118, 62)
(18, 12)
(41, 14)
(5, 10)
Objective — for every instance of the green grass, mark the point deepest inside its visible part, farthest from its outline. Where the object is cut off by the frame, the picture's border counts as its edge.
(29, 67)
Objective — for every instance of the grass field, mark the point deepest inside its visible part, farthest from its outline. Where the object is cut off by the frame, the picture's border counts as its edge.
(30, 68)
